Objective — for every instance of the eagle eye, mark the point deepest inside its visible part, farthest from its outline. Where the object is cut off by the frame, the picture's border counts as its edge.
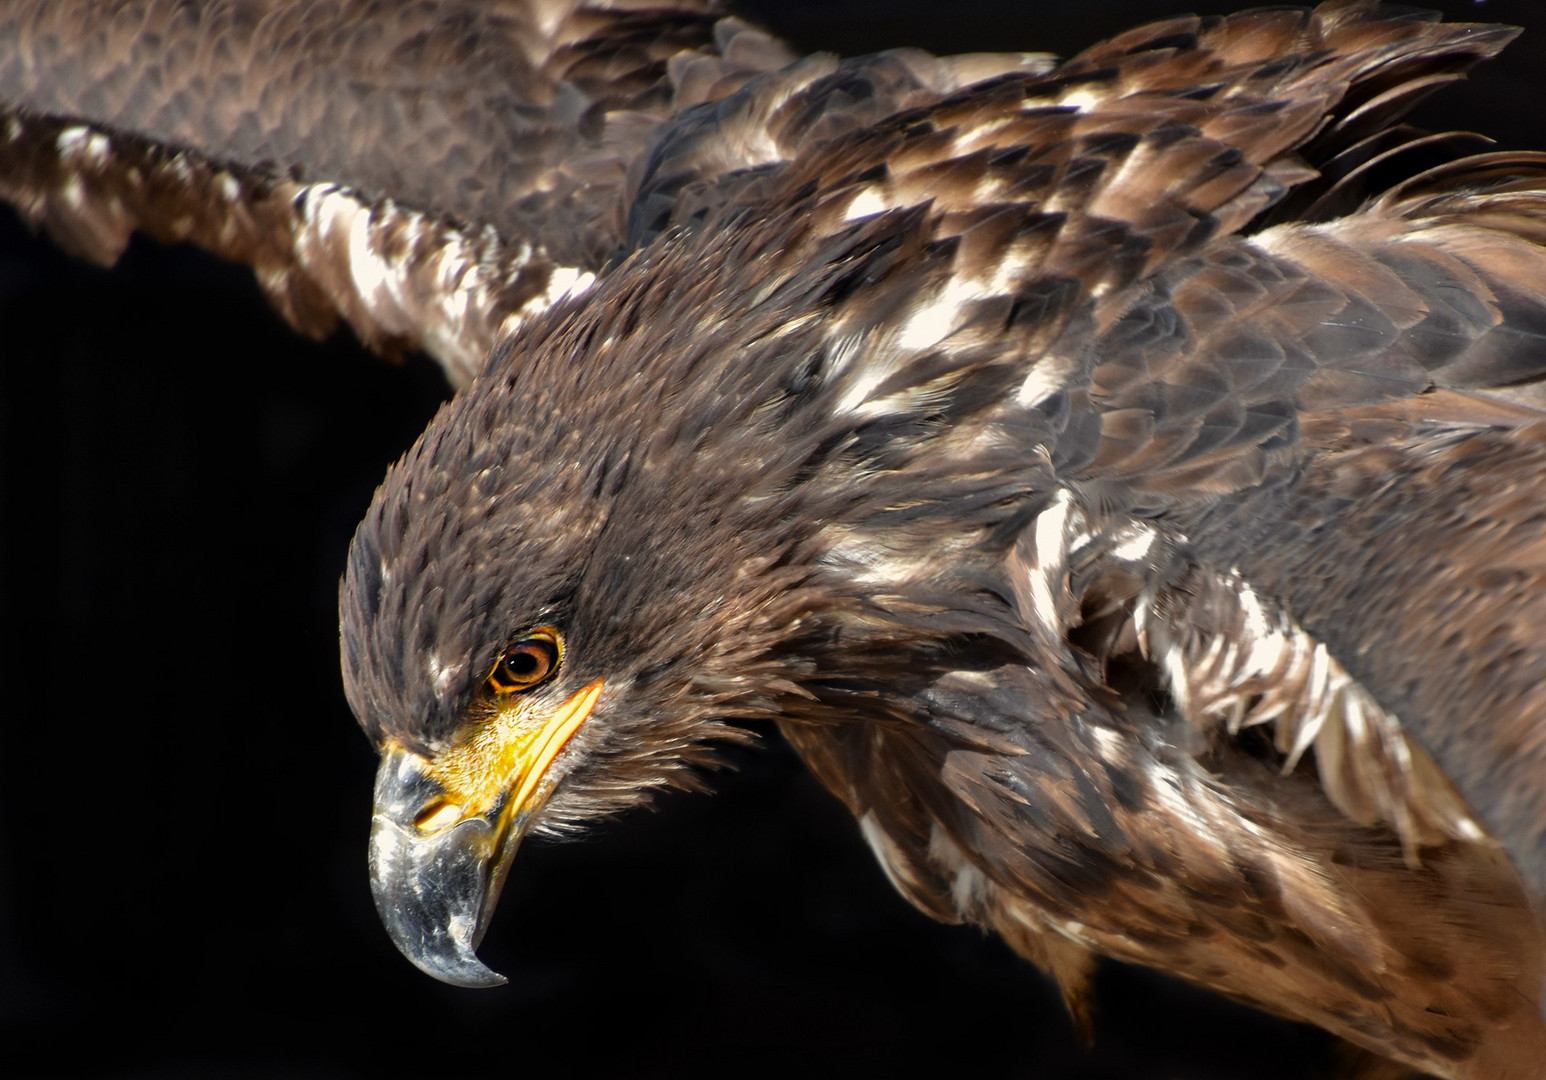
(526, 662)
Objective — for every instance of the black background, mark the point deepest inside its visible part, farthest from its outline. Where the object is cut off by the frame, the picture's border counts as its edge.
(184, 796)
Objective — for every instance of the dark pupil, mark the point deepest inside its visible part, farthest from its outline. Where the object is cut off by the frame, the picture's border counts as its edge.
(524, 663)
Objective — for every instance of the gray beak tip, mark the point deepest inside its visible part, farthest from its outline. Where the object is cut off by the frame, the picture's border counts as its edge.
(433, 897)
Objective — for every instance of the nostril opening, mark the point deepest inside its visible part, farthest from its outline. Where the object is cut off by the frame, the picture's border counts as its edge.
(437, 815)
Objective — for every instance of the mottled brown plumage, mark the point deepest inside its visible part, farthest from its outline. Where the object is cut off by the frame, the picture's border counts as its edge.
(1133, 524)
(484, 148)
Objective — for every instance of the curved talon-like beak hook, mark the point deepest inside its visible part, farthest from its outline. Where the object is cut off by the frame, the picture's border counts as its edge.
(432, 891)
(438, 857)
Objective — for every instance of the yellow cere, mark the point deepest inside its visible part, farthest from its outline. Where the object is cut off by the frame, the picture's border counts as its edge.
(509, 752)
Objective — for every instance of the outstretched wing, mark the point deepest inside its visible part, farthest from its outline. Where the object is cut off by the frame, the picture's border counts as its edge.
(435, 174)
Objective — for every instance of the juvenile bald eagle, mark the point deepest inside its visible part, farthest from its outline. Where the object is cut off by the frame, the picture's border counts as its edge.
(1126, 512)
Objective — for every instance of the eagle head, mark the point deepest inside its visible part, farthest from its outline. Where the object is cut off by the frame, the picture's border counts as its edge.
(668, 509)
(554, 605)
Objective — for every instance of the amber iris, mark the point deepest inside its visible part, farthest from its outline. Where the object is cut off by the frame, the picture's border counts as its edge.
(526, 662)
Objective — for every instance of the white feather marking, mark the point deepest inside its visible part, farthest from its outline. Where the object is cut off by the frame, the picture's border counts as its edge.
(441, 675)
(1052, 521)
(1173, 662)
(872, 562)
(867, 203)
(564, 282)
(1468, 828)
(456, 302)
(904, 401)
(865, 378)
(1083, 98)
(97, 148)
(1113, 747)
(941, 317)
(414, 228)
(1267, 655)
(1143, 618)
(451, 263)
(1051, 550)
(326, 207)
(1134, 547)
(1255, 618)
(369, 271)
(1048, 375)
(981, 679)
(69, 140)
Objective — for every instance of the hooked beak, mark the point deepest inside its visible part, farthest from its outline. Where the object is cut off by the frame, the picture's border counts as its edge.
(446, 828)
